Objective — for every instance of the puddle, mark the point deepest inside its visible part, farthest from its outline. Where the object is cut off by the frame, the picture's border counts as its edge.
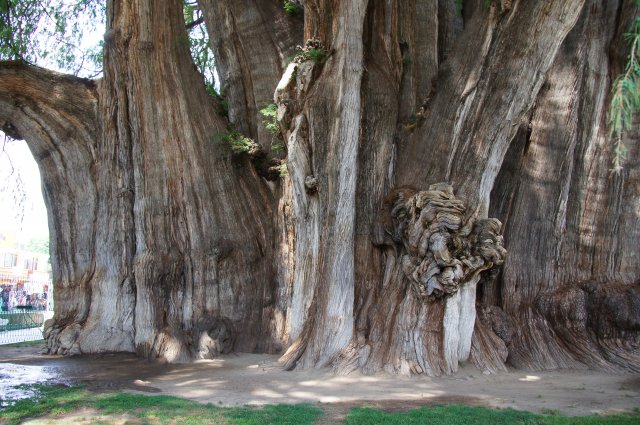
(15, 381)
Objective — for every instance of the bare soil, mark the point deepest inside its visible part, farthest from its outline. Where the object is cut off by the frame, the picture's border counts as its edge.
(257, 379)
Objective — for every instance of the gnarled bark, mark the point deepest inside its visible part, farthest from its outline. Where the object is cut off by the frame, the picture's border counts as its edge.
(361, 257)
(572, 255)
(178, 232)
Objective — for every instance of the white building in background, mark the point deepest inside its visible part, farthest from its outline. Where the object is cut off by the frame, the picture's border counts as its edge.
(24, 264)
(25, 279)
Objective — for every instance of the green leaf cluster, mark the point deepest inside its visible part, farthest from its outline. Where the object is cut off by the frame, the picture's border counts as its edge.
(51, 33)
(313, 50)
(271, 124)
(200, 46)
(283, 170)
(291, 8)
(459, 4)
(625, 95)
(236, 142)
(317, 55)
(38, 245)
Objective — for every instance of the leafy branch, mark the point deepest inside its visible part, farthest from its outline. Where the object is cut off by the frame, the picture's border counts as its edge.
(52, 33)
(625, 100)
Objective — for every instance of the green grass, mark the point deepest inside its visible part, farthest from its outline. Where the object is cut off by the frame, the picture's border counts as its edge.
(56, 401)
(143, 409)
(456, 414)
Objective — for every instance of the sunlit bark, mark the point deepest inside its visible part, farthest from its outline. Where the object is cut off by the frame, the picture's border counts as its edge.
(408, 127)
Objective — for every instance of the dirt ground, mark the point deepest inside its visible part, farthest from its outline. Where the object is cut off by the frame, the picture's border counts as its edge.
(257, 379)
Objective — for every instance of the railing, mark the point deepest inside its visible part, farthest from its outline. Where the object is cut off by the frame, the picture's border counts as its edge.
(25, 306)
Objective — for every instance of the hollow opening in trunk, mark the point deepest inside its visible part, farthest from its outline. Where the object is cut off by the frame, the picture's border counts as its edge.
(26, 287)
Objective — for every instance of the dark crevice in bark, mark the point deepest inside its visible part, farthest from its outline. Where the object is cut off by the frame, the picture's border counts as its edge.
(203, 257)
(557, 310)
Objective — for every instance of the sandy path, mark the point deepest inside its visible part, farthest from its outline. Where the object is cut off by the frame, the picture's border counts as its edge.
(257, 379)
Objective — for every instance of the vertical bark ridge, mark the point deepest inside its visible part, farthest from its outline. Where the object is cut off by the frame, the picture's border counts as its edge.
(573, 212)
(418, 42)
(477, 82)
(252, 42)
(332, 153)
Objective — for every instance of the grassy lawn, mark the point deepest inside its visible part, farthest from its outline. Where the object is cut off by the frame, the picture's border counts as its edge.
(107, 408)
(456, 414)
(58, 401)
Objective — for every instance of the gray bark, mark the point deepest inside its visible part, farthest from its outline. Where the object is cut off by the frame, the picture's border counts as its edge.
(572, 259)
(411, 129)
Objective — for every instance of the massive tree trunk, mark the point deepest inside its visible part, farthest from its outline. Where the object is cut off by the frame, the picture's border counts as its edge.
(571, 285)
(407, 125)
(170, 251)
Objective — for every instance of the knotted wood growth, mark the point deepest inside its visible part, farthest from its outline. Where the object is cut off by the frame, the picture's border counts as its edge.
(441, 249)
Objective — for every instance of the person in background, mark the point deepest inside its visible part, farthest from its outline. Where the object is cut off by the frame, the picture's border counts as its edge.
(4, 296)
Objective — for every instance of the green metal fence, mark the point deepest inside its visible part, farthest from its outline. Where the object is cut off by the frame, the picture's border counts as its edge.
(24, 307)
(22, 325)
(21, 319)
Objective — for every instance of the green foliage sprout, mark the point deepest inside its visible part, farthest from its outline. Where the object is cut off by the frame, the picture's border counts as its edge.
(271, 124)
(313, 50)
(237, 142)
(459, 4)
(200, 46)
(291, 8)
(625, 100)
(318, 56)
(283, 170)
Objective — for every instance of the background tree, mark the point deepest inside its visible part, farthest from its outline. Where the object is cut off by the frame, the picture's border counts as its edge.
(407, 124)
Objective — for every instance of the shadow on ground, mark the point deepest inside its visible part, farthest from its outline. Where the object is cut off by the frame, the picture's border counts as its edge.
(257, 379)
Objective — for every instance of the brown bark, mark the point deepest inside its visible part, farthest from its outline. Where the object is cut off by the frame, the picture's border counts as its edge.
(58, 115)
(199, 220)
(409, 129)
(253, 40)
(178, 239)
(571, 258)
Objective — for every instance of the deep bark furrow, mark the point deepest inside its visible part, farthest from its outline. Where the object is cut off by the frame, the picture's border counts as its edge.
(568, 216)
(253, 40)
(490, 88)
(406, 125)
